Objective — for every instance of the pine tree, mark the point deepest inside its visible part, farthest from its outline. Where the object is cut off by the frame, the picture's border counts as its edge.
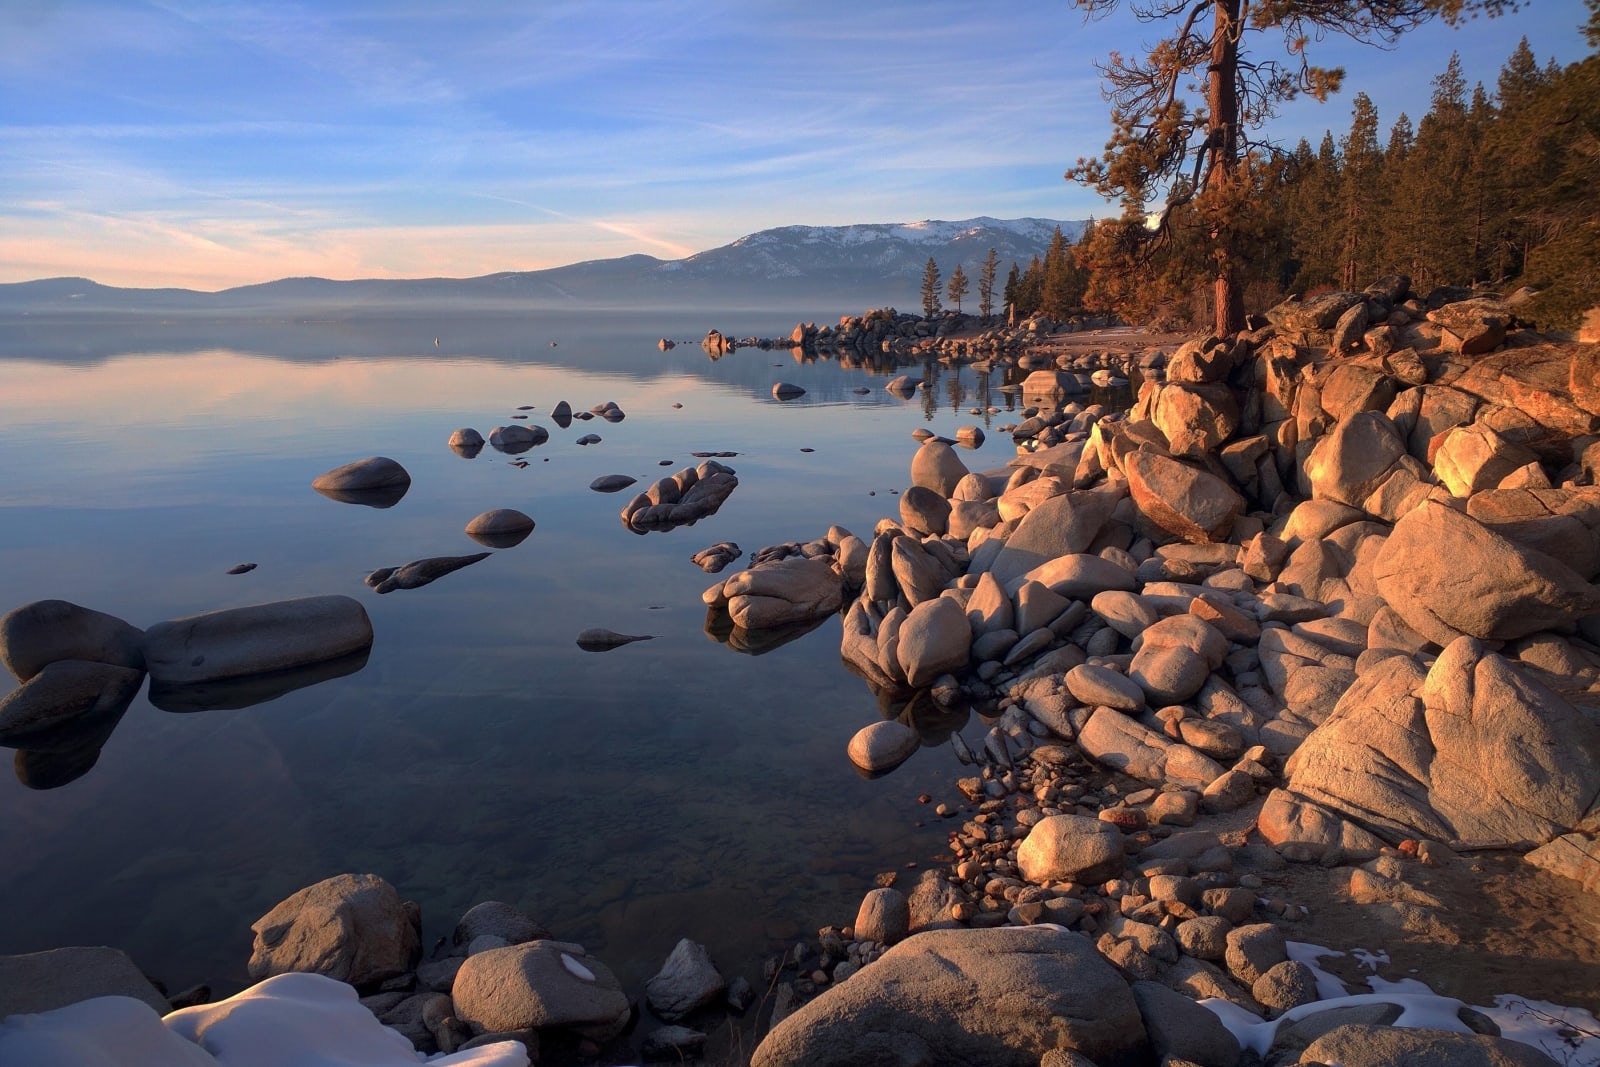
(1358, 194)
(1201, 154)
(1013, 288)
(986, 285)
(930, 289)
(957, 287)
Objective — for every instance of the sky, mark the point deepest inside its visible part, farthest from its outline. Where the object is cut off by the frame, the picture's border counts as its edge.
(213, 143)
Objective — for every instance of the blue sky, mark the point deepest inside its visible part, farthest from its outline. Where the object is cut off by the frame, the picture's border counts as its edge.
(209, 143)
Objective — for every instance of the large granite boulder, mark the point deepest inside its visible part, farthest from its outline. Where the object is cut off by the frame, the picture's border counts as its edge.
(44, 631)
(352, 927)
(1002, 998)
(1473, 749)
(935, 638)
(793, 590)
(537, 985)
(41, 981)
(1185, 501)
(264, 637)
(936, 466)
(1448, 575)
(1562, 523)
(1059, 526)
(1195, 419)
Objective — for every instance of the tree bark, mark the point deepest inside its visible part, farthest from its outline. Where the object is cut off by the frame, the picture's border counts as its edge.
(1222, 101)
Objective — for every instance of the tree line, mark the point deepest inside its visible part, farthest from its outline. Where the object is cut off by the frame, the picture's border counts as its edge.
(1492, 187)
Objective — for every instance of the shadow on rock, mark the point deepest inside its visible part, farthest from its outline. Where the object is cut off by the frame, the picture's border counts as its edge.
(229, 694)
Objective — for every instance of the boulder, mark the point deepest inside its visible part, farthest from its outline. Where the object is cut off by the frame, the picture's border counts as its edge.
(1354, 458)
(936, 466)
(935, 639)
(1061, 525)
(41, 981)
(1187, 502)
(1070, 848)
(500, 528)
(1319, 313)
(235, 642)
(1079, 576)
(44, 631)
(1473, 749)
(498, 919)
(537, 985)
(1002, 998)
(1098, 686)
(791, 590)
(1356, 1045)
(1183, 1030)
(516, 438)
(64, 692)
(1195, 419)
(612, 483)
(883, 746)
(884, 916)
(925, 511)
(1470, 459)
(692, 494)
(687, 981)
(787, 391)
(1476, 326)
(1448, 575)
(466, 442)
(374, 472)
(351, 927)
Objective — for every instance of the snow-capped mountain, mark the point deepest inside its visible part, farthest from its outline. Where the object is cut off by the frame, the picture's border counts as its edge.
(853, 267)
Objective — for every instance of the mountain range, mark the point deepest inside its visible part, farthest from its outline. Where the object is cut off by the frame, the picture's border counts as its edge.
(856, 267)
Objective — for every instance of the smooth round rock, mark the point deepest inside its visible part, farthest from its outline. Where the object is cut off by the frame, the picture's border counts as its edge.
(45, 631)
(466, 442)
(883, 746)
(374, 472)
(787, 391)
(500, 528)
(1104, 687)
(611, 483)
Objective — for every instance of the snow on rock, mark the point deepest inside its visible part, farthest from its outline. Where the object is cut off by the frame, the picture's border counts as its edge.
(293, 1020)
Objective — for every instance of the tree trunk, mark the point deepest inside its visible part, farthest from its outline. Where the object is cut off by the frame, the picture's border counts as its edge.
(1222, 101)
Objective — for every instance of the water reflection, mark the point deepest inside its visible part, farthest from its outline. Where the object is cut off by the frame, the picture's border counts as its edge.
(721, 628)
(231, 694)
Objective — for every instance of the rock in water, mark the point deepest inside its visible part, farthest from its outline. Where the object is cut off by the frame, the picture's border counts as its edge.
(44, 631)
(466, 443)
(500, 528)
(716, 557)
(418, 573)
(598, 640)
(687, 980)
(377, 482)
(611, 483)
(515, 439)
(787, 391)
(883, 746)
(63, 692)
(351, 927)
(42, 981)
(264, 637)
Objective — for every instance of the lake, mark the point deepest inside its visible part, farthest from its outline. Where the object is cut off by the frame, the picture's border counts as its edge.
(669, 788)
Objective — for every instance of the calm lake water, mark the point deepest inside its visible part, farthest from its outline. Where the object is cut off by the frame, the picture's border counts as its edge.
(669, 788)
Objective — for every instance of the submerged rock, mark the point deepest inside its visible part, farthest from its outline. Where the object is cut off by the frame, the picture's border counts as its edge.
(65, 691)
(688, 980)
(513, 440)
(599, 640)
(418, 573)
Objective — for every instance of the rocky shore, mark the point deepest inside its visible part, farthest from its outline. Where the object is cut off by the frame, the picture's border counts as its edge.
(1324, 598)
(1303, 649)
